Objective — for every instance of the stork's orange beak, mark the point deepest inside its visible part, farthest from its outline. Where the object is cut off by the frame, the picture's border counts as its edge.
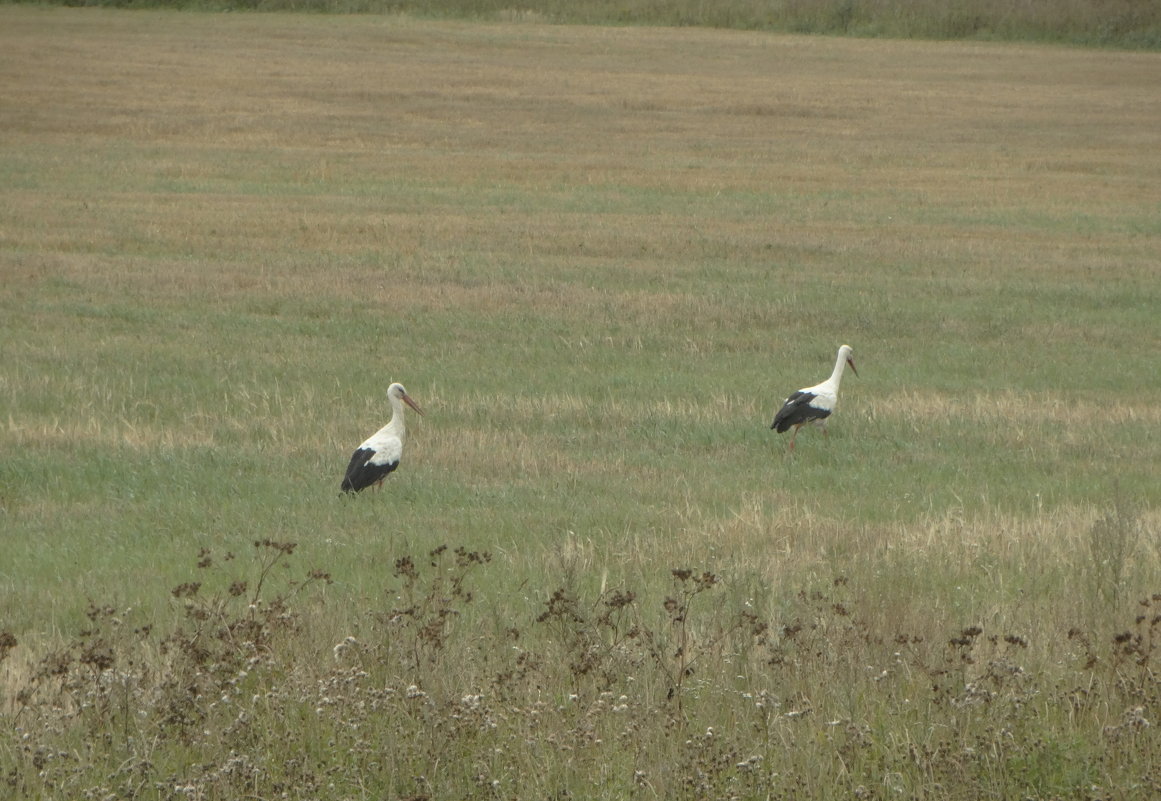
(407, 399)
(851, 362)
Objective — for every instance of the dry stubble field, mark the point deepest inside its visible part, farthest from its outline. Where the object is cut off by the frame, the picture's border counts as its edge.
(598, 257)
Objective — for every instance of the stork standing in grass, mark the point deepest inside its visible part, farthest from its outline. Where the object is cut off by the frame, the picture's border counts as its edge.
(381, 452)
(813, 404)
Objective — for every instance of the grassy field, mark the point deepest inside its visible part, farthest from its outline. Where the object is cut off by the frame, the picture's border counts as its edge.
(1125, 24)
(599, 259)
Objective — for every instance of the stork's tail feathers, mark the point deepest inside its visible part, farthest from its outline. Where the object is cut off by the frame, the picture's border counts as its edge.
(782, 421)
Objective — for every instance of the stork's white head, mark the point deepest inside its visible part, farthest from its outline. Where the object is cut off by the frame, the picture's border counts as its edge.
(845, 353)
(396, 392)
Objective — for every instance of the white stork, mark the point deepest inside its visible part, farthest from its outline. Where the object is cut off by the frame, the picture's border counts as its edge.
(813, 404)
(380, 453)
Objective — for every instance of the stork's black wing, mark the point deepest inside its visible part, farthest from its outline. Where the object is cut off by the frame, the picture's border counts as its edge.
(796, 411)
(363, 471)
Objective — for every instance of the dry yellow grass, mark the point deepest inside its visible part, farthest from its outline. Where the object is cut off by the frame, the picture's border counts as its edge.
(350, 102)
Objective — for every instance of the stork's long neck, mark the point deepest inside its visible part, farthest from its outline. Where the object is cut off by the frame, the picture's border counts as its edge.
(836, 376)
(395, 424)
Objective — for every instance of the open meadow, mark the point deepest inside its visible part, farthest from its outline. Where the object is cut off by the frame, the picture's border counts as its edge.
(599, 259)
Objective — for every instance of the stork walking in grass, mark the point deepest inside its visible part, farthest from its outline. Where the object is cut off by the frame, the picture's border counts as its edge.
(813, 404)
(381, 452)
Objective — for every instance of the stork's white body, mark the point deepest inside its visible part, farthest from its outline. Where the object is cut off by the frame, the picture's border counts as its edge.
(381, 452)
(813, 405)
